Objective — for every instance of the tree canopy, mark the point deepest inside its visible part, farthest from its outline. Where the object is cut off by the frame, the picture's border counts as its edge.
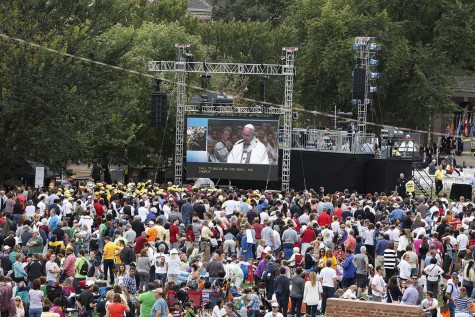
(55, 109)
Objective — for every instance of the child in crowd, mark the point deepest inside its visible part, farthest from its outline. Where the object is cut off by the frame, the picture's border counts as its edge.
(177, 312)
(205, 294)
(285, 265)
(246, 296)
(350, 293)
(189, 312)
(250, 275)
(260, 249)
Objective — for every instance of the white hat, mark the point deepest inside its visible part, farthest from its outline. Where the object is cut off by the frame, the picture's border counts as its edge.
(153, 209)
(151, 222)
(249, 126)
(173, 251)
(6, 247)
(396, 205)
(89, 283)
(275, 304)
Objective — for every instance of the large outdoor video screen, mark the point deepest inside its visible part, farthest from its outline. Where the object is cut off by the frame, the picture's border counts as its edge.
(232, 148)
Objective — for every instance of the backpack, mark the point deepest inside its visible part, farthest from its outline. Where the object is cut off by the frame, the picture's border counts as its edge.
(94, 243)
(269, 273)
(84, 268)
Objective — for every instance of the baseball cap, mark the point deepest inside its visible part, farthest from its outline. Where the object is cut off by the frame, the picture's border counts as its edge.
(89, 283)
(173, 251)
(159, 290)
(275, 304)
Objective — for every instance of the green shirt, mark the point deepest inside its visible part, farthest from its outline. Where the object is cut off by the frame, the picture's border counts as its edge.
(78, 264)
(147, 300)
(38, 248)
(121, 238)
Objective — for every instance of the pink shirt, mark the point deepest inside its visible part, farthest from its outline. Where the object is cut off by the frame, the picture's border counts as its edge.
(69, 265)
(417, 245)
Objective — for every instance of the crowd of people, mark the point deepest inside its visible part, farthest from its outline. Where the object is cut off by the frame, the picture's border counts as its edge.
(159, 250)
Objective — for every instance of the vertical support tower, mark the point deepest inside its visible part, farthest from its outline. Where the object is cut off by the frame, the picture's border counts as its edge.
(180, 111)
(365, 49)
(289, 71)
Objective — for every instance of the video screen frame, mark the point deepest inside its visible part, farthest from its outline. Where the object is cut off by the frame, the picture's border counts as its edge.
(232, 147)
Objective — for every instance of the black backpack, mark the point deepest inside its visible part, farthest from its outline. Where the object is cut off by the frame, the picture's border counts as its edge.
(84, 268)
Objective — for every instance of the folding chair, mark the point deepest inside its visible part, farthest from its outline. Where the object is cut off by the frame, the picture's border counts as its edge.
(195, 297)
(171, 298)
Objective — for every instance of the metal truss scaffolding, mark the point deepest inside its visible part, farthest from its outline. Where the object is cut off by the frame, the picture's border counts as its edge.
(182, 66)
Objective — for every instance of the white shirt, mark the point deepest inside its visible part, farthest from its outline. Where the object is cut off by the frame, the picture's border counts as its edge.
(30, 211)
(41, 205)
(379, 284)
(396, 234)
(86, 220)
(462, 241)
(67, 207)
(426, 304)
(230, 206)
(51, 266)
(327, 274)
(143, 212)
(433, 272)
(404, 269)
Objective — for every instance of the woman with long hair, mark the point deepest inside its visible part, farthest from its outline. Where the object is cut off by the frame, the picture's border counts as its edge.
(143, 269)
(394, 292)
(19, 308)
(121, 271)
(310, 260)
(469, 277)
(312, 293)
(36, 299)
(330, 256)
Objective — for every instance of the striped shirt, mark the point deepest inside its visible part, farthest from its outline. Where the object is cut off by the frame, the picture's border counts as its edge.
(390, 257)
(461, 304)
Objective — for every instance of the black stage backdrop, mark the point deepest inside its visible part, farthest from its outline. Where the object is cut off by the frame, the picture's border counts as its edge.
(382, 174)
(311, 169)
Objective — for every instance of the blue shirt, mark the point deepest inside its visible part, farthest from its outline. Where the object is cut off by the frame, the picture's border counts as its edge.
(396, 214)
(349, 269)
(472, 182)
(160, 305)
(53, 222)
(410, 296)
(381, 246)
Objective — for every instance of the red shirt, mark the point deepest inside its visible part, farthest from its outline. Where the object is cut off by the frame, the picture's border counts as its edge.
(139, 243)
(324, 219)
(338, 212)
(116, 309)
(258, 229)
(308, 235)
(190, 236)
(174, 231)
(99, 210)
(350, 243)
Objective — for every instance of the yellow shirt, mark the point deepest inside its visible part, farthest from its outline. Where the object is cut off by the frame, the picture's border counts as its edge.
(206, 233)
(439, 175)
(117, 256)
(410, 186)
(109, 250)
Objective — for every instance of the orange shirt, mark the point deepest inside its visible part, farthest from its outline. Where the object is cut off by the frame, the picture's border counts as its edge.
(152, 234)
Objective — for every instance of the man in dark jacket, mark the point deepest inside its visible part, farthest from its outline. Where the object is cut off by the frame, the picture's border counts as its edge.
(269, 276)
(127, 255)
(35, 269)
(282, 291)
(296, 295)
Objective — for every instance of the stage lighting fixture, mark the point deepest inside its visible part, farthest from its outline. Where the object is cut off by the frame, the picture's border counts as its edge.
(374, 47)
(354, 102)
(374, 75)
(189, 61)
(373, 89)
(356, 46)
(358, 61)
(373, 62)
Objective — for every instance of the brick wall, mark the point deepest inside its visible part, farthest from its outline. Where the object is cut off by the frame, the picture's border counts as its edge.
(356, 308)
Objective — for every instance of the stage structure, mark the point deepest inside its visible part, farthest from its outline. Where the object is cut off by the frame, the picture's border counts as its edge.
(185, 64)
(365, 49)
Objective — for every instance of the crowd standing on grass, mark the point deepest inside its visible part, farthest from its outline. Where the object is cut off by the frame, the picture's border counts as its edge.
(160, 250)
